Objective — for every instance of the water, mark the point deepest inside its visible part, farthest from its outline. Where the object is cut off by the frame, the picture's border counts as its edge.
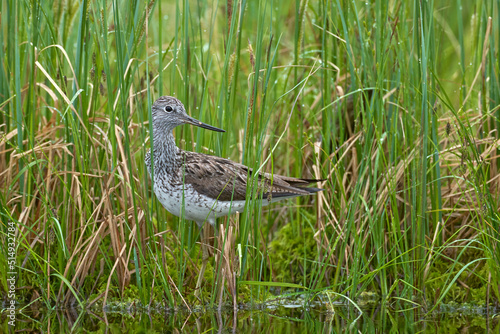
(279, 319)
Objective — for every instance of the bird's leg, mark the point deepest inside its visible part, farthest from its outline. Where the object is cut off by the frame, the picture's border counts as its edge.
(205, 256)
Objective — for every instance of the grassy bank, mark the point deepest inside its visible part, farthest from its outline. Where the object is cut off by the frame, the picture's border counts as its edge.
(394, 103)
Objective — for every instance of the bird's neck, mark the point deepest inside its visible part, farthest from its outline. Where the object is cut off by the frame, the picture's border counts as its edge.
(164, 149)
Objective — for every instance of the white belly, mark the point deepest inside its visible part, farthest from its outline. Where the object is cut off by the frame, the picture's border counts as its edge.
(197, 207)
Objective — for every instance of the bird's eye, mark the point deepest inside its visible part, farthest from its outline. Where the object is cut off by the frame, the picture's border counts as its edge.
(169, 109)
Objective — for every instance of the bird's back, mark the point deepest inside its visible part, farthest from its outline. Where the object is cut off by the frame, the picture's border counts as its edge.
(225, 180)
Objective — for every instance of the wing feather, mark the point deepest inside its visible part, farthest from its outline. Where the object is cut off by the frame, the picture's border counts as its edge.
(225, 180)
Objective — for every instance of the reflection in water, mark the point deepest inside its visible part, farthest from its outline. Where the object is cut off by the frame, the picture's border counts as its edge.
(279, 320)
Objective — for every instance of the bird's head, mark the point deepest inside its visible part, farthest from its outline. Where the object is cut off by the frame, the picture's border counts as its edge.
(168, 113)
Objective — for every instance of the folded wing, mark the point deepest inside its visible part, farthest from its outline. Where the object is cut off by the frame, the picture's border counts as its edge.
(226, 180)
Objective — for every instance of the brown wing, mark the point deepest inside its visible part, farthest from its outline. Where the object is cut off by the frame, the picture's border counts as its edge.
(214, 177)
(226, 180)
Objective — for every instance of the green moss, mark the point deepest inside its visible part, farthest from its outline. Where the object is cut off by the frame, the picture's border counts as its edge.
(469, 287)
(289, 250)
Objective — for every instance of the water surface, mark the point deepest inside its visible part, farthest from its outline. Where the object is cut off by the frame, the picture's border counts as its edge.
(277, 319)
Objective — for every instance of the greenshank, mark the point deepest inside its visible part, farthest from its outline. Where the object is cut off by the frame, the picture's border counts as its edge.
(203, 187)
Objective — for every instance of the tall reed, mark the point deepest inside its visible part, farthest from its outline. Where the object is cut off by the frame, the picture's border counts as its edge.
(394, 104)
